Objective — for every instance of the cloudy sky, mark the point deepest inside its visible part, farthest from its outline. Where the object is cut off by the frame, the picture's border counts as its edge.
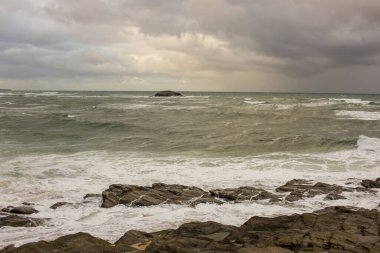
(228, 45)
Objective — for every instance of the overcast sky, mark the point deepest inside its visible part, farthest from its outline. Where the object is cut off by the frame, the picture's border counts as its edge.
(228, 45)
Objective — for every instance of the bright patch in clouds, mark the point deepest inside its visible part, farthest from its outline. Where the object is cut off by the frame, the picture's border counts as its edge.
(264, 45)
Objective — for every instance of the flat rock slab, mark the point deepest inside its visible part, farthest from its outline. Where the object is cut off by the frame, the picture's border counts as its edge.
(300, 188)
(20, 221)
(333, 229)
(367, 183)
(60, 204)
(244, 193)
(20, 209)
(132, 195)
(78, 243)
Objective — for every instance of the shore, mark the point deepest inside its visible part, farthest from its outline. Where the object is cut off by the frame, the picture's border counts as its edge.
(332, 229)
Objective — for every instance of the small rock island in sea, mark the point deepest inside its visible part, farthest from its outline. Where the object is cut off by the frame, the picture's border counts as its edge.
(167, 93)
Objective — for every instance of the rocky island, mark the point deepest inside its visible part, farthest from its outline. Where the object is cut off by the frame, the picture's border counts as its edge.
(167, 93)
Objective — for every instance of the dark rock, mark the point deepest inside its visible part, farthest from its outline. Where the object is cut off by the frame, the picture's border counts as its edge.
(133, 195)
(294, 196)
(371, 183)
(334, 228)
(92, 195)
(334, 196)
(75, 243)
(20, 209)
(135, 240)
(193, 237)
(59, 204)
(254, 249)
(20, 221)
(299, 189)
(167, 93)
(244, 193)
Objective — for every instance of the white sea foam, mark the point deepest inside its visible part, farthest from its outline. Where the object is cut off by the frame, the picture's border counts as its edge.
(318, 103)
(359, 115)
(352, 100)
(47, 179)
(249, 101)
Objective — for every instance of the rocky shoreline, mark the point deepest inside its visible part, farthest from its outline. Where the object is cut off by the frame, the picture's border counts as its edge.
(332, 229)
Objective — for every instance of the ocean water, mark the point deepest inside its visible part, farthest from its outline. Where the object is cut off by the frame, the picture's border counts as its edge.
(59, 146)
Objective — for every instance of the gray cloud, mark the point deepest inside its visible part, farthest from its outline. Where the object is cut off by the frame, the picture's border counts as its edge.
(197, 40)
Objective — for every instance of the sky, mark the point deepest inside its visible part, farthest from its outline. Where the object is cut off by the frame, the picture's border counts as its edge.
(191, 45)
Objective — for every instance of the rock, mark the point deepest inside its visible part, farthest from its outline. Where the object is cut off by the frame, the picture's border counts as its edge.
(20, 221)
(20, 209)
(193, 237)
(59, 204)
(167, 93)
(133, 195)
(135, 240)
(244, 193)
(254, 249)
(294, 196)
(334, 196)
(78, 243)
(299, 189)
(371, 183)
(334, 228)
(92, 195)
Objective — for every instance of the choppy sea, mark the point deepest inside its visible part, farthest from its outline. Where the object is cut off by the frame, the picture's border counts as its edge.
(59, 146)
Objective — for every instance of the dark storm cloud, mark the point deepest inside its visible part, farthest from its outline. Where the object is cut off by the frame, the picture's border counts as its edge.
(321, 33)
(191, 39)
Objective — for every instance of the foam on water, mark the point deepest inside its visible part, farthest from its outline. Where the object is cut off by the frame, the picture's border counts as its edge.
(359, 115)
(352, 101)
(46, 179)
(249, 101)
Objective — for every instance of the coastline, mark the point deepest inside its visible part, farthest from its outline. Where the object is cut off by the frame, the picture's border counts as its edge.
(344, 228)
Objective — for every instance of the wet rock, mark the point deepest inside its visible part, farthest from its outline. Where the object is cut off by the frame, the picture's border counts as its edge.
(334, 196)
(167, 93)
(371, 183)
(294, 196)
(333, 228)
(20, 210)
(133, 195)
(20, 221)
(244, 193)
(254, 249)
(193, 237)
(78, 243)
(92, 195)
(299, 189)
(190, 237)
(135, 240)
(59, 204)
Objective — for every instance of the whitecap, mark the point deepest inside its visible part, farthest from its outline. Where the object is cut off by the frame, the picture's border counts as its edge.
(352, 100)
(358, 115)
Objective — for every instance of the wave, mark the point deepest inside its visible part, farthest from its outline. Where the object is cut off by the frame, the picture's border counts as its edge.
(249, 101)
(70, 177)
(358, 115)
(352, 101)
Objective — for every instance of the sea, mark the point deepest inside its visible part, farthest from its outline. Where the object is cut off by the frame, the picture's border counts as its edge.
(60, 145)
